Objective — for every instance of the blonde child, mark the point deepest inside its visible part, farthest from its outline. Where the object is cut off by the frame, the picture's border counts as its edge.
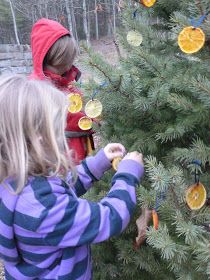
(54, 51)
(45, 227)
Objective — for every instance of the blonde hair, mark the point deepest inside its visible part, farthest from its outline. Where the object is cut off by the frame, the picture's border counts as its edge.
(32, 124)
(62, 53)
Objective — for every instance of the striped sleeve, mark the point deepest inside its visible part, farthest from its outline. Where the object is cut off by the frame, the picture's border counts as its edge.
(84, 222)
(90, 170)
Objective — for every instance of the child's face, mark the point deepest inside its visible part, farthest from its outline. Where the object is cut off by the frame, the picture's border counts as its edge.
(62, 69)
(59, 69)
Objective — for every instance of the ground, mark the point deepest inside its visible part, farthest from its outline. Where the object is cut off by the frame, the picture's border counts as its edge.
(104, 47)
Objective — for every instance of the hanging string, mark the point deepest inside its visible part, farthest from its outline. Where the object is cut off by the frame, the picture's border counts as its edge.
(200, 20)
(160, 197)
(197, 164)
(104, 84)
(135, 13)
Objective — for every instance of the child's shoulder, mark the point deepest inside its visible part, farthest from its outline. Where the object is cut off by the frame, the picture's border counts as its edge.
(41, 192)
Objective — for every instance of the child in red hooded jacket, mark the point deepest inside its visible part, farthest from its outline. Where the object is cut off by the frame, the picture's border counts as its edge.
(53, 51)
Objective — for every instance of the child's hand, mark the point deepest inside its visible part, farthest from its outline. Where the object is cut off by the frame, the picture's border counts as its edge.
(114, 150)
(135, 156)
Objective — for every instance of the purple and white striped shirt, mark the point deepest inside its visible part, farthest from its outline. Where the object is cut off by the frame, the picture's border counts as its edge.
(46, 230)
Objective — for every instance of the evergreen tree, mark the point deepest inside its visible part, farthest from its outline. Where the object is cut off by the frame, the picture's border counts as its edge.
(157, 101)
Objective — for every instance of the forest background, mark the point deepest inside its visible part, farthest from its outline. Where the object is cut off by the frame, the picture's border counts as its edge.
(88, 19)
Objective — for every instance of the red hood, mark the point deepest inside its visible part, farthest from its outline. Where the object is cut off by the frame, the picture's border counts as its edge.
(44, 34)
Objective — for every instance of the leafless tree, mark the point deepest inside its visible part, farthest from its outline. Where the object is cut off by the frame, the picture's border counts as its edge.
(87, 19)
(14, 21)
(85, 23)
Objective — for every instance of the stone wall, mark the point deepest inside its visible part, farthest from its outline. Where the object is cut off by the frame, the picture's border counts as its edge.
(15, 59)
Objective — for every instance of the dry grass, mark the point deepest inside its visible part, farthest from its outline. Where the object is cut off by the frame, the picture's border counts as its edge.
(107, 49)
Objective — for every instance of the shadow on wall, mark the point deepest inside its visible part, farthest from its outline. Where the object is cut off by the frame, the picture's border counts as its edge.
(15, 59)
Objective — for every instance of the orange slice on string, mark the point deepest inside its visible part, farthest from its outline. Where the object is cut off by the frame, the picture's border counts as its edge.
(134, 38)
(85, 123)
(196, 196)
(75, 103)
(148, 3)
(191, 39)
(93, 108)
(116, 162)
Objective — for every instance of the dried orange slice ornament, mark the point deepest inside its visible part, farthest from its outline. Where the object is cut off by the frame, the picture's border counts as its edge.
(93, 108)
(191, 39)
(85, 123)
(196, 196)
(148, 3)
(134, 38)
(116, 162)
(75, 103)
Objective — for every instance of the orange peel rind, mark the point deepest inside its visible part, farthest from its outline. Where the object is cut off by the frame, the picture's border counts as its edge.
(134, 38)
(75, 103)
(191, 39)
(196, 196)
(148, 3)
(116, 162)
(93, 108)
(85, 123)
(155, 219)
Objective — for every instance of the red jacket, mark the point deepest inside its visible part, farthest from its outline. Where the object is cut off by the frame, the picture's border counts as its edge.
(44, 34)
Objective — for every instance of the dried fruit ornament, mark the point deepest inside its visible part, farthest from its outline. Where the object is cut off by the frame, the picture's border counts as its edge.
(93, 108)
(134, 38)
(116, 162)
(196, 196)
(148, 3)
(75, 101)
(191, 39)
(85, 123)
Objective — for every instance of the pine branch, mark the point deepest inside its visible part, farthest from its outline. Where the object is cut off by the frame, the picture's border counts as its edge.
(198, 4)
(202, 87)
(155, 68)
(100, 70)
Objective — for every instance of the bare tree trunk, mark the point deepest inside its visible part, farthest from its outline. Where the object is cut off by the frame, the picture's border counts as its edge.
(75, 28)
(46, 11)
(74, 24)
(40, 9)
(96, 21)
(32, 15)
(108, 9)
(55, 11)
(85, 23)
(114, 16)
(68, 11)
(88, 17)
(14, 22)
